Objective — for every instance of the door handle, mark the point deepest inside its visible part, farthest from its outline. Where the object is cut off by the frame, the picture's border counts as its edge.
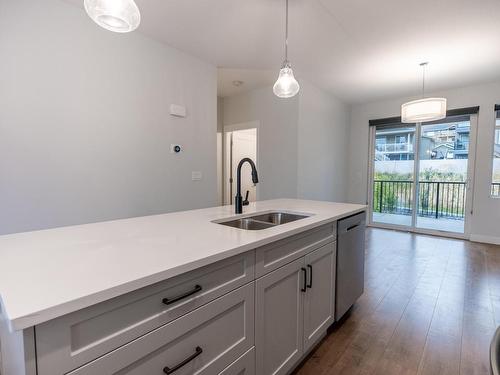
(167, 370)
(310, 283)
(304, 274)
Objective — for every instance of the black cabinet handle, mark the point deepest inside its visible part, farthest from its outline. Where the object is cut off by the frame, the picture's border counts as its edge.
(310, 284)
(167, 370)
(304, 272)
(169, 301)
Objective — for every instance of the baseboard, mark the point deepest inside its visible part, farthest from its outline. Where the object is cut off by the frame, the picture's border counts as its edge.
(485, 239)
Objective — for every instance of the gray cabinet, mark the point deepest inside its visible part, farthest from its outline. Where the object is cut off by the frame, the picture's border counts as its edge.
(277, 254)
(320, 296)
(278, 314)
(204, 341)
(245, 365)
(294, 307)
(71, 341)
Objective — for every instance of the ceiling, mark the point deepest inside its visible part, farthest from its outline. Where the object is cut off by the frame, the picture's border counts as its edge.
(360, 50)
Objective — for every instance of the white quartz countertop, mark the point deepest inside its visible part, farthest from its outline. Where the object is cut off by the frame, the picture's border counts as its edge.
(46, 274)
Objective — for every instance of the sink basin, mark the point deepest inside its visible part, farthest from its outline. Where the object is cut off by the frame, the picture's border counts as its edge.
(262, 220)
(247, 224)
(278, 218)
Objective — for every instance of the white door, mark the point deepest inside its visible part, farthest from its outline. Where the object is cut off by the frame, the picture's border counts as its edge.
(279, 319)
(320, 296)
(240, 144)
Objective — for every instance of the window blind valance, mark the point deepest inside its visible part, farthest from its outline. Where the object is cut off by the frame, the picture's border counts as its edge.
(453, 114)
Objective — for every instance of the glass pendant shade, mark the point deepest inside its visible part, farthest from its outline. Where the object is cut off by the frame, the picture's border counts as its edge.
(286, 86)
(120, 16)
(423, 110)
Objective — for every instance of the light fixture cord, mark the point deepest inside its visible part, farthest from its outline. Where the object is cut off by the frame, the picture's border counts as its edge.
(423, 79)
(286, 33)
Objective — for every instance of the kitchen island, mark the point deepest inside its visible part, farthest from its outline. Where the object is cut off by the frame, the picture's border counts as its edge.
(173, 293)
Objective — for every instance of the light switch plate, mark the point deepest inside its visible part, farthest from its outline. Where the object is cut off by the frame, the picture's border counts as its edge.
(196, 175)
(177, 110)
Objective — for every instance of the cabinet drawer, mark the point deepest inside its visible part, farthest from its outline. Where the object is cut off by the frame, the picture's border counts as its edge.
(245, 365)
(204, 341)
(279, 253)
(78, 338)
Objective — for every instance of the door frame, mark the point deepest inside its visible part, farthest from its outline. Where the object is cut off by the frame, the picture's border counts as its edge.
(226, 166)
(469, 202)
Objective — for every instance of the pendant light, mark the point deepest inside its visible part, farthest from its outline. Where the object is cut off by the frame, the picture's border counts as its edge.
(120, 16)
(286, 86)
(425, 109)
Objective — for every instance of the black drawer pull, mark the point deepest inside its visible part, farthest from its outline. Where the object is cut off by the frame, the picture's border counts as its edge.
(167, 370)
(169, 301)
(352, 227)
(310, 284)
(304, 288)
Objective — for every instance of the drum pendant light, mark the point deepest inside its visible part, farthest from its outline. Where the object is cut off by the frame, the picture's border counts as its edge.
(425, 109)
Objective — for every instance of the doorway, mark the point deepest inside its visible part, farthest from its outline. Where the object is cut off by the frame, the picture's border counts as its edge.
(240, 141)
(421, 175)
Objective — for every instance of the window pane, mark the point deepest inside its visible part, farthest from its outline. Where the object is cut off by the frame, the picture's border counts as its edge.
(393, 175)
(442, 176)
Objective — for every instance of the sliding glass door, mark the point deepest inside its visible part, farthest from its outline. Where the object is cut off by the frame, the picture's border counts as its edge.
(443, 175)
(421, 175)
(393, 175)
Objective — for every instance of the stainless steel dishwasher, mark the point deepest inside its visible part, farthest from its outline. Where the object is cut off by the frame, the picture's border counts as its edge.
(350, 262)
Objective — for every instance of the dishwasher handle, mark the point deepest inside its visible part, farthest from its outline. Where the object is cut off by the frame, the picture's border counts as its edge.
(353, 226)
(352, 222)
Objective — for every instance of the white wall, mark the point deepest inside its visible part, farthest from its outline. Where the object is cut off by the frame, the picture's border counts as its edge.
(84, 123)
(303, 141)
(277, 166)
(486, 218)
(322, 145)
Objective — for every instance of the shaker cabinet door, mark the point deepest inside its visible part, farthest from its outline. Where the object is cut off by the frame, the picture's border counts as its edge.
(279, 319)
(320, 296)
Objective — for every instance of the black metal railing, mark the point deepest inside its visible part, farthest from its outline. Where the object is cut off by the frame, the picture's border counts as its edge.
(438, 199)
(495, 189)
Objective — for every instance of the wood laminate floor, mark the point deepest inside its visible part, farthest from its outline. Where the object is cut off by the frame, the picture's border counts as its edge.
(431, 306)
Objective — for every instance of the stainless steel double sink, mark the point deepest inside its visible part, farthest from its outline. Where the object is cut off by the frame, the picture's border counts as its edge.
(261, 221)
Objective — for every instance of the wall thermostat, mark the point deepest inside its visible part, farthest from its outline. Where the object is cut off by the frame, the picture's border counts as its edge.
(175, 149)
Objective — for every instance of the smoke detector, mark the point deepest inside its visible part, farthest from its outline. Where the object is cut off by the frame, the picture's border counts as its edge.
(237, 83)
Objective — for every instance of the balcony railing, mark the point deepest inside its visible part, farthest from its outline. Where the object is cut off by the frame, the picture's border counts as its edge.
(394, 147)
(438, 199)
